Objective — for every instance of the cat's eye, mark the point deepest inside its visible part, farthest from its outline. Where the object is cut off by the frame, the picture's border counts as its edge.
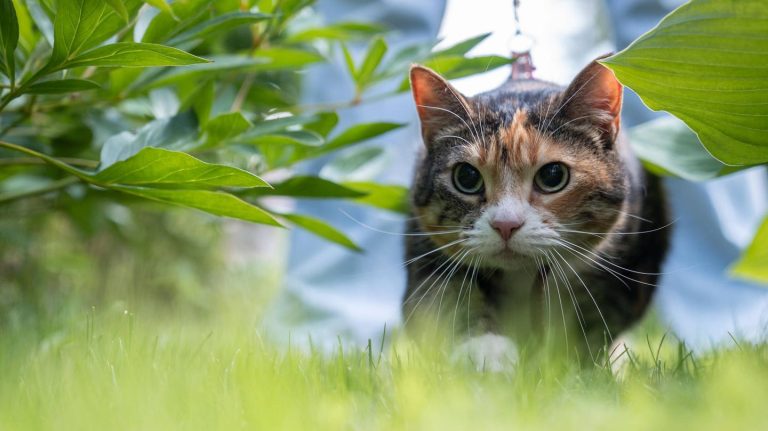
(467, 179)
(552, 177)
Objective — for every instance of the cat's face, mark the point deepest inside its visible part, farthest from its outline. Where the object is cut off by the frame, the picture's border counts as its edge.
(520, 172)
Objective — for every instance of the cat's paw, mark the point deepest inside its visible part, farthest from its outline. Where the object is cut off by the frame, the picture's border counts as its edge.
(488, 352)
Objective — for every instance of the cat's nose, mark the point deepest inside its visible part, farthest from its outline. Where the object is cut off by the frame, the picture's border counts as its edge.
(506, 227)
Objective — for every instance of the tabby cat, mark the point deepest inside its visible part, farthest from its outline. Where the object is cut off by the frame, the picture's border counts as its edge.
(530, 216)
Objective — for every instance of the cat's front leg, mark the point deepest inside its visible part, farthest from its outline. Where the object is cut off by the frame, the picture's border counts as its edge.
(487, 352)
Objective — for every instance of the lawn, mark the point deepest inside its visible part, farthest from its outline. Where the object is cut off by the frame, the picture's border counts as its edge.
(118, 369)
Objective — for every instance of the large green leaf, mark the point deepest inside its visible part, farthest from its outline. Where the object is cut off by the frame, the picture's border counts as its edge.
(321, 229)
(128, 54)
(753, 264)
(669, 147)
(212, 202)
(707, 63)
(158, 167)
(9, 38)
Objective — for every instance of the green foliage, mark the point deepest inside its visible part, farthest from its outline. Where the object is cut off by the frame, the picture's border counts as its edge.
(705, 63)
(753, 264)
(189, 105)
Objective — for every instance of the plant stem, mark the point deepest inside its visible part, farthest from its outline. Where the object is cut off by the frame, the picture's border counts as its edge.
(56, 185)
(49, 160)
(21, 161)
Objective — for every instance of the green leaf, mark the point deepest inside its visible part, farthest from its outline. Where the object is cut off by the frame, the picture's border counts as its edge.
(322, 123)
(202, 103)
(285, 58)
(158, 167)
(456, 66)
(462, 48)
(212, 202)
(359, 133)
(119, 7)
(338, 31)
(360, 164)
(9, 38)
(753, 264)
(217, 24)
(303, 138)
(130, 54)
(162, 5)
(41, 19)
(669, 147)
(81, 25)
(321, 229)
(707, 64)
(388, 197)
(264, 60)
(226, 126)
(376, 52)
(349, 61)
(307, 187)
(58, 86)
(173, 133)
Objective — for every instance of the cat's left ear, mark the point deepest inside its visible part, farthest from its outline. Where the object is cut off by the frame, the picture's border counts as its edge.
(594, 96)
(438, 103)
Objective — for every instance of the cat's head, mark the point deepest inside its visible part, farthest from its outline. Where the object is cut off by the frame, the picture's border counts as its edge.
(519, 171)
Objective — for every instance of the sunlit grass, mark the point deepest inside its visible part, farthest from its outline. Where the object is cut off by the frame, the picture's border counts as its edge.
(116, 370)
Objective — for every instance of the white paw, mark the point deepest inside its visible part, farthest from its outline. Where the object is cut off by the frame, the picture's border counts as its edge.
(488, 352)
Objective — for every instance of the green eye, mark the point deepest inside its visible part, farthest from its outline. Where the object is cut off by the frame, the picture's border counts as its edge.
(467, 179)
(552, 177)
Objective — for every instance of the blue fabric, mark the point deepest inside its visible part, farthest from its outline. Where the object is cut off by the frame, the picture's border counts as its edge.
(331, 292)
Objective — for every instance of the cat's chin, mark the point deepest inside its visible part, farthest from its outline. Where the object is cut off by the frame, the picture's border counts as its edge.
(507, 258)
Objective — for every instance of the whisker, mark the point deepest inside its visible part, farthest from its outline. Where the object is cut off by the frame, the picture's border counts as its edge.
(609, 262)
(579, 313)
(461, 291)
(620, 233)
(397, 233)
(454, 242)
(588, 293)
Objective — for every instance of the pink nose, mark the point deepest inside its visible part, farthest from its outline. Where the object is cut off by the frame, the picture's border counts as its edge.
(506, 228)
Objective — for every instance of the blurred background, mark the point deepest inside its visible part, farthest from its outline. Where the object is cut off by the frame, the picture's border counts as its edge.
(88, 253)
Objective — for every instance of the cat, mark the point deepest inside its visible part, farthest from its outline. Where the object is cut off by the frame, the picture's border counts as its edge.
(530, 216)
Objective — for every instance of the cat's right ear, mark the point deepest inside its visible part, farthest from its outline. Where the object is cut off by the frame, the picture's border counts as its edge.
(438, 103)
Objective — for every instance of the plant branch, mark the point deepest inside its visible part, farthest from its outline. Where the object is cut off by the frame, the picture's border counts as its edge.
(22, 161)
(56, 185)
(49, 160)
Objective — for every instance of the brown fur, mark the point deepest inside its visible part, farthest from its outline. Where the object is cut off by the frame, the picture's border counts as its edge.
(508, 134)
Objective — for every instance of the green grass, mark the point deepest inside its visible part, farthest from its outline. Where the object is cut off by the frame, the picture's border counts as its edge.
(114, 370)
